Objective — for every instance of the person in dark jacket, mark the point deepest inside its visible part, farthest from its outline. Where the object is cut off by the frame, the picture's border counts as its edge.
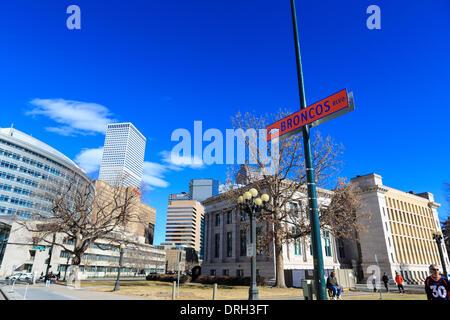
(333, 285)
(385, 279)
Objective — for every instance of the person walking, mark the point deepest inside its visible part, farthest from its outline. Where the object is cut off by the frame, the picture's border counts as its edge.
(436, 286)
(332, 284)
(399, 282)
(385, 280)
(374, 282)
(47, 279)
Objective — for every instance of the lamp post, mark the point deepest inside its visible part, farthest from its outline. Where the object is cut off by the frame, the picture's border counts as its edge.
(250, 204)
(438, 237)
(117, 286)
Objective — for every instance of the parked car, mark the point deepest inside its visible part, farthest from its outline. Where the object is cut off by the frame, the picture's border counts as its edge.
(20, 276)
(26, 276)
(14, 276)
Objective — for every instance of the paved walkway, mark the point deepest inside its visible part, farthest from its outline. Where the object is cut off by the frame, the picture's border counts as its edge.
(60, 292)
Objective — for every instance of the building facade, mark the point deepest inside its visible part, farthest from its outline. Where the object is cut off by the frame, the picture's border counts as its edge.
(228, 235)
(399, 231)
(123, 155)
(27, 167)
(202, 189)
(19, 253)
(142, 216)
(184, 219)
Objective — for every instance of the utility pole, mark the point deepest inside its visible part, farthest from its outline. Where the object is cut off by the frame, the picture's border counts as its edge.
(319, 274)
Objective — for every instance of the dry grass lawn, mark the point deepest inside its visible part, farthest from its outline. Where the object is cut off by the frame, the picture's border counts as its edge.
(157, 290)
(189, 291)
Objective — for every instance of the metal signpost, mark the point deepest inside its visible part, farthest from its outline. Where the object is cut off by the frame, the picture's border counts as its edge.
(319, 112)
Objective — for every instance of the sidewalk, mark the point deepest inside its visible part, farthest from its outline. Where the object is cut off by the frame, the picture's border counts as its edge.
(60, 292)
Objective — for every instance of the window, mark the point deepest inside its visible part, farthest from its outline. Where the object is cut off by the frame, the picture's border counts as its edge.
(216, 245)
(327, 244)
(341, 248)
(243, 243)
(297, 247)
(294, 208)
(239, 272)
(259, 241)
(212, 272)
(229, 217)
(229, 244)
(226, 272)
(217, 219)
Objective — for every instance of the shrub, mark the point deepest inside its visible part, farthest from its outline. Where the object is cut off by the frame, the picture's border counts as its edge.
(231, 281)
(167, 277)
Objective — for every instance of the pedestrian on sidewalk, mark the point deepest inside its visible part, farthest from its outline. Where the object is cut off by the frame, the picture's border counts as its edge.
(47, 279)
(436, 286)
(399, 282)
(374, 282)
(386, 281)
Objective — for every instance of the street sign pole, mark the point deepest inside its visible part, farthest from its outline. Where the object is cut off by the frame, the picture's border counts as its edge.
(319, 274)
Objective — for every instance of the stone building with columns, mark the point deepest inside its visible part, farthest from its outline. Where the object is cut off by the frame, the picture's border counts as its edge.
(399, 231)
(227, 236)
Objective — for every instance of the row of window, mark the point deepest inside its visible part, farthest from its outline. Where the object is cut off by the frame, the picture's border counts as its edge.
(406, 206)
(11, 211)
(12, 177)
(243, 244)
(37, 164)
(18, 190)
(226, 272)
(18, 201)
(9, 144)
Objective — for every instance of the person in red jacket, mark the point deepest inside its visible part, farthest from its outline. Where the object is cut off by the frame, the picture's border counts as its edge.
(399, 282)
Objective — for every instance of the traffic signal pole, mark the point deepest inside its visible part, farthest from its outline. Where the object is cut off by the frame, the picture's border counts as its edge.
(319, 275)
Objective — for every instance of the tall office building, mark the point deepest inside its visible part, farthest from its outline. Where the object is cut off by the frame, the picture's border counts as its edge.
(202, 189)
(123, 155)
(184, 222)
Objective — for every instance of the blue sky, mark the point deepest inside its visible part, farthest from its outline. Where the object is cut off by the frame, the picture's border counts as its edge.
(164, 64)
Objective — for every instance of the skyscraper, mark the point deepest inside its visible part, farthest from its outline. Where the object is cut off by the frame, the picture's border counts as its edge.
(184, 220)
(202, 189)
(123, 155)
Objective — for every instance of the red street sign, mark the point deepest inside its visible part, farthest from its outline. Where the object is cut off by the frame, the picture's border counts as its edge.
(319, 112)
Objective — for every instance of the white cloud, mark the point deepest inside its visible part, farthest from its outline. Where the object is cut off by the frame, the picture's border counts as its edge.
(90, 159)
(153, 174)
(75, 117)
(177, 162)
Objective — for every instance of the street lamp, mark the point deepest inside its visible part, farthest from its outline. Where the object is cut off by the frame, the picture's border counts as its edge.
(438, 237)
(67, 266)
(250, 204)
(117, 286)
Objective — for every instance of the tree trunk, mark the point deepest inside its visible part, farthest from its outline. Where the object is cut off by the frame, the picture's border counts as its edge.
(279, 272)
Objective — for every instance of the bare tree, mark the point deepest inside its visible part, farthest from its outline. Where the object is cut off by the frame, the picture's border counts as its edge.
(287, 218)
(83, 214)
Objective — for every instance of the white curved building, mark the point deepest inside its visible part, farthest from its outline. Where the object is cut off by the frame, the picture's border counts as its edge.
(25, 164)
